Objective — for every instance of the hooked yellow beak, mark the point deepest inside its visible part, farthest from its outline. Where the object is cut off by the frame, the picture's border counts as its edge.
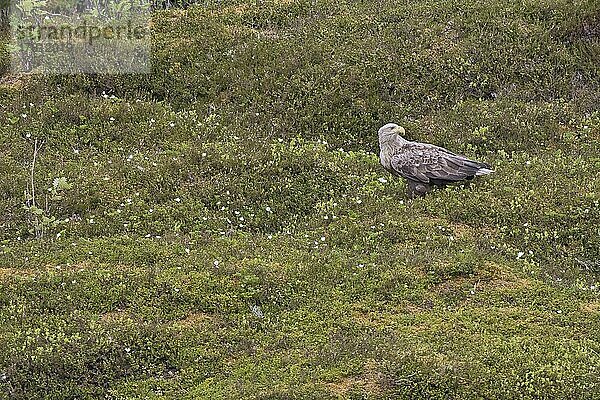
(399, 130)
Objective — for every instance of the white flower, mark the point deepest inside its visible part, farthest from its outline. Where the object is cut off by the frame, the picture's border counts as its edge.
(216, 263)
(382, 180)
(257, 311)
(177, 199)
(268, 209)
(322, 238)
(520, 254)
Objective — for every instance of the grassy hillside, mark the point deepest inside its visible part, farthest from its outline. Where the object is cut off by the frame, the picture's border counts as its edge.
(224, 229)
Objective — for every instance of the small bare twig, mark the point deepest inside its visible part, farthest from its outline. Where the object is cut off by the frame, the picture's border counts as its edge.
(588, 265)
(30, 198)
(35, 152)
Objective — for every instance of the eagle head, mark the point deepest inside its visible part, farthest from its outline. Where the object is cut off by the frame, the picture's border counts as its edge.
(389, 132)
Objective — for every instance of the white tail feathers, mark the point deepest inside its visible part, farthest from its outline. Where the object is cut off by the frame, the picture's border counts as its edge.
(484, 171)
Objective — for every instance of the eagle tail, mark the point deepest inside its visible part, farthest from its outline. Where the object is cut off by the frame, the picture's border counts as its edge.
(484, 171)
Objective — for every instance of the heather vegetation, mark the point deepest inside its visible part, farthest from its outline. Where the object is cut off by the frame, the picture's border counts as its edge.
(221, 228)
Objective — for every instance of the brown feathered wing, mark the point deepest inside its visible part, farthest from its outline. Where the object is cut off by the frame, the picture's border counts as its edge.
(427, 163)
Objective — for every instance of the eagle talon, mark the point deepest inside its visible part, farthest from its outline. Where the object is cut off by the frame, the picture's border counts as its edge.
(416, 189)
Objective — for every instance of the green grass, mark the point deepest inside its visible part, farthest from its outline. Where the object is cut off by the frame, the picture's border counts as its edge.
(243, 173)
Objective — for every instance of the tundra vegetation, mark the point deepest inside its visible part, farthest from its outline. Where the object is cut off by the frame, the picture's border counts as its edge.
(221, 228)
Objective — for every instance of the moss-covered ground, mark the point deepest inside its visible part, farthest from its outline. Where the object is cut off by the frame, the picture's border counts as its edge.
(224, 229)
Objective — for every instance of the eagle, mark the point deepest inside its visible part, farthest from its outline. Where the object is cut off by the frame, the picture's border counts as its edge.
(423, 165)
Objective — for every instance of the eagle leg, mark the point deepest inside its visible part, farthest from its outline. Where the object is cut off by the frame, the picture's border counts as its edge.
(417, 189)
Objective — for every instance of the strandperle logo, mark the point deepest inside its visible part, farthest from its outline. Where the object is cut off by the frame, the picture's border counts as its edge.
(82, 33)
(89, 36)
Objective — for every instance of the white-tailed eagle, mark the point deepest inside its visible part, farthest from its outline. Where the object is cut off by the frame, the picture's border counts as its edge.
(424, 165)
